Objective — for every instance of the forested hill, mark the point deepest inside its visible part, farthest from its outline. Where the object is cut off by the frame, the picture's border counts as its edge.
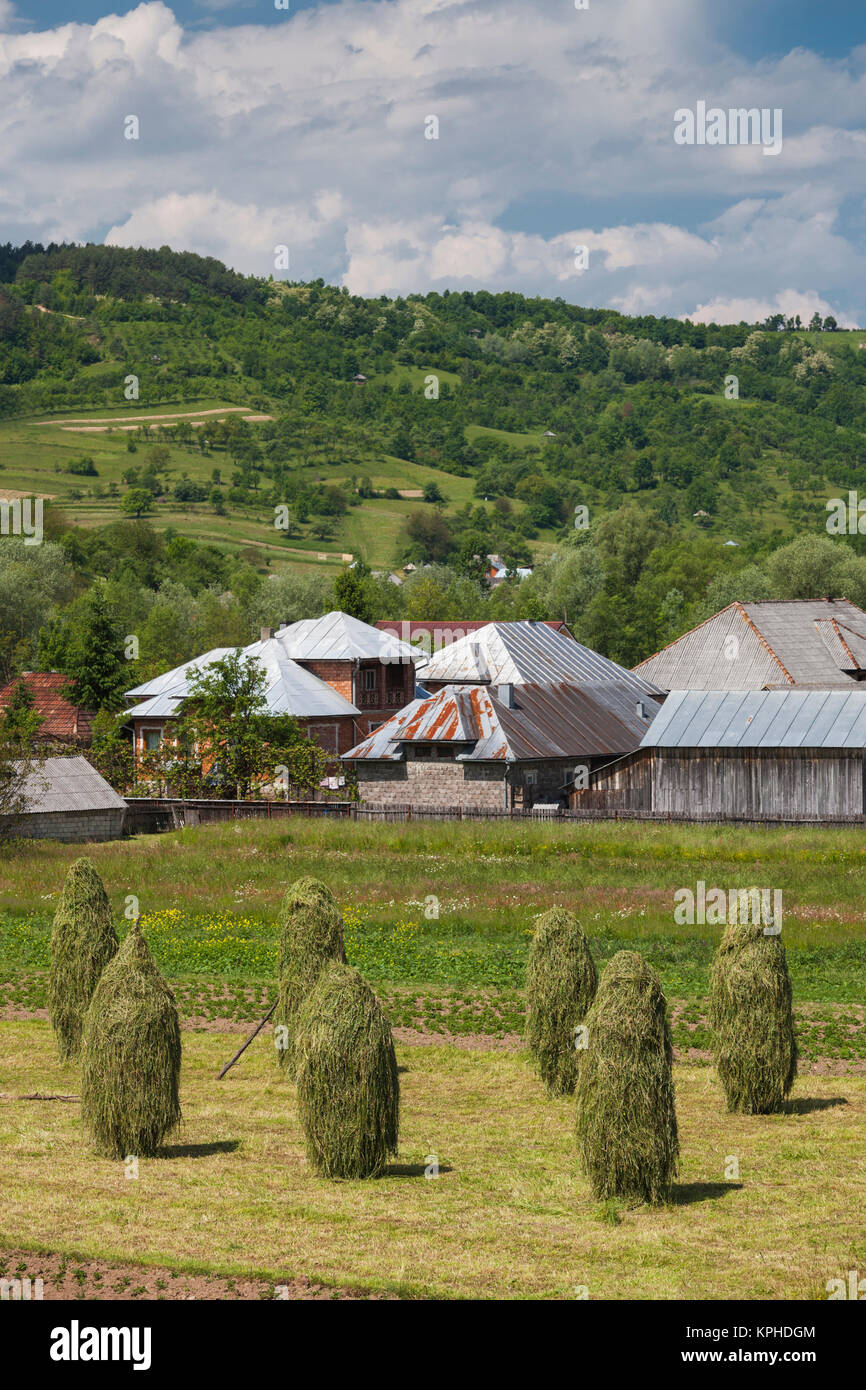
(432, 429)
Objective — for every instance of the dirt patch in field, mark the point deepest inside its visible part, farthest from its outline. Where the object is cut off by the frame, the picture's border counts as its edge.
(65, 1277)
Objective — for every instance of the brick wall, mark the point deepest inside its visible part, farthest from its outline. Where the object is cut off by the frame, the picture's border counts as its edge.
(336, 674)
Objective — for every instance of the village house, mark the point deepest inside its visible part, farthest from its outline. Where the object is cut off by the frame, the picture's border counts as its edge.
(771, 643)
(763, 755)
(64, 724)
(495, 748)
(339, 677)
(507, 715)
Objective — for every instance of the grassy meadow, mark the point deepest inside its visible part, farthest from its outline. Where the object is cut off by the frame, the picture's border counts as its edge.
(510, 1214)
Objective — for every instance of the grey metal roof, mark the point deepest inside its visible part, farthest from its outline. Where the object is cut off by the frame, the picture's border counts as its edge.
(290, 688)
(527, 653)
(760, 719)
(339, 637)
(544, 721)
(67, 784)
(817, 642)
(174, 681)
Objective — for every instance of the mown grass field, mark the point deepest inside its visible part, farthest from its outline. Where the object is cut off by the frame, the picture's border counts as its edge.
(509, 1214)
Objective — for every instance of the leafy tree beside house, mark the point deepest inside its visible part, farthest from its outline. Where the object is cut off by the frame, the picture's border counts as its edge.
(350, 595)
(89, 648)
(225, 742)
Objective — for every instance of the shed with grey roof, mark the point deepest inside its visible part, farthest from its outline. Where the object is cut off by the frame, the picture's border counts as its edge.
(762, 755)
(67, 799)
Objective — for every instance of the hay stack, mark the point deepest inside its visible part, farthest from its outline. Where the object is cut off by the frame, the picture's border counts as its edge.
(348, 1089)
(131, 1055)
(752, 1019)
(83, 941)
(626, 1119)
(311, 935)
(561, 981)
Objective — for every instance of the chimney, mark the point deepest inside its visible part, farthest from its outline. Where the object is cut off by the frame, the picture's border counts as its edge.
(505, 695)
(640, 710)
(267, 633)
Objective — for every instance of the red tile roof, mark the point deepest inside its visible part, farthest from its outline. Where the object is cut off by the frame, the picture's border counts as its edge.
(62, 720)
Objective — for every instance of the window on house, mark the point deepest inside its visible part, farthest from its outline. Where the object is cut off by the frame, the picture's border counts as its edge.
(369, 674)
(152, 739)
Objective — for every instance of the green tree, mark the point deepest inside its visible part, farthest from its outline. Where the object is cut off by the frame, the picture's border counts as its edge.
(136, 501)
(350, 595)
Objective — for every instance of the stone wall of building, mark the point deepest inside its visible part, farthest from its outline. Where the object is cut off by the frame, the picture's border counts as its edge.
(71, 826)
(474, 786)
(480, 787)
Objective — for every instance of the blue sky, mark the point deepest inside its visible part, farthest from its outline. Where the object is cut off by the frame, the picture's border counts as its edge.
(555, 131)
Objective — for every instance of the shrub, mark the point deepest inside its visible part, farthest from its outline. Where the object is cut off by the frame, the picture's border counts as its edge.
(83, 941)
(131, 1055)
(626, 1118)
(752, 1019)
(348, 1088)
(311, 935)
(561, 981)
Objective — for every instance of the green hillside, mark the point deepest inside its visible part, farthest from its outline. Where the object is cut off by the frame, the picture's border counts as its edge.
(163, 392)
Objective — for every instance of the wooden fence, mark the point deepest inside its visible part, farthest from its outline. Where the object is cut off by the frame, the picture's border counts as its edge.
(150, 815)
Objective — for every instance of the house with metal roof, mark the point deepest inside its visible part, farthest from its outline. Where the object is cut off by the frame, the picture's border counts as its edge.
(67, 799)
(757, 646)
(324, 712)
(529, 653)
(337, 676)
(496, 748)
(758, 755)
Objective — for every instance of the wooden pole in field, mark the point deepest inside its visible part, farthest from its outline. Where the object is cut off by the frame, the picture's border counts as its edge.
(258, 1028)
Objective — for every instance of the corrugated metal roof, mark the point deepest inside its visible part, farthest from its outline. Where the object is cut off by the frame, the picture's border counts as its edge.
(760, 719)
(339, 637)
(67, 784)
(290, 688)
(527, 653)
(817, 642)
(549, 721)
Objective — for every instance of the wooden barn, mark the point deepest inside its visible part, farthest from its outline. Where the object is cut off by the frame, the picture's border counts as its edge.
(774, 755)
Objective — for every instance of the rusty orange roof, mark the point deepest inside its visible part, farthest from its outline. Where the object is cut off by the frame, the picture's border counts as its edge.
(62, 720)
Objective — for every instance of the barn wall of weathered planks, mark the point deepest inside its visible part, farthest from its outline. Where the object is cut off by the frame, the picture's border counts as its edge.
(786, 784)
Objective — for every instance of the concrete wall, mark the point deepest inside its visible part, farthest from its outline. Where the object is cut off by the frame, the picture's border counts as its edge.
(71, 826)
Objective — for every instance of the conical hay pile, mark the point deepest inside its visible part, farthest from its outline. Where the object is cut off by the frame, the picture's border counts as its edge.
(131, 1055)
(311, 935)
(626, 1118)
(752, 1019)
(83, 941)
(561, 981)
(348, 1088)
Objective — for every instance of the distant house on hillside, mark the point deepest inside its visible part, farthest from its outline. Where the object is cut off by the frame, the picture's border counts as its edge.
(337, 676)
(67, 799)
(64, 724)
(756, 646)
(498, 748)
